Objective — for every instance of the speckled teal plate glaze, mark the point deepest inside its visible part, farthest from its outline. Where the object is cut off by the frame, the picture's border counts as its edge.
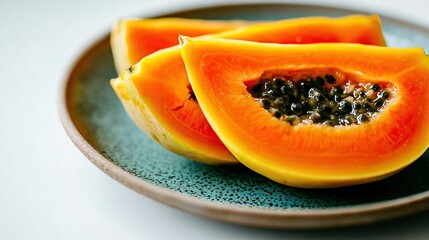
(98, 125)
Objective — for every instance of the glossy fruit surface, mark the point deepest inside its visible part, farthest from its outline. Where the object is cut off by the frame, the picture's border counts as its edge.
(157, 95)
(133, 39)
(312, 155)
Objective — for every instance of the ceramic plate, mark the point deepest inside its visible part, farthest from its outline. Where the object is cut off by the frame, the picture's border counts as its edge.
(99, 126)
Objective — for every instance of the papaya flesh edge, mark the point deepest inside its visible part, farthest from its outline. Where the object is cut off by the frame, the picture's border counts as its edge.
(312, 156)
(156, 91)
(133, 39)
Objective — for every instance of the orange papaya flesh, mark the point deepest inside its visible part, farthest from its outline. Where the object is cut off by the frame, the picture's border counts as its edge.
(312, 155)
(133, 39)
(157, 91)
(172, 119)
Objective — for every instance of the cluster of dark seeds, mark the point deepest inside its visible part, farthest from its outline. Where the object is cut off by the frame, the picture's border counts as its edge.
(319, 100)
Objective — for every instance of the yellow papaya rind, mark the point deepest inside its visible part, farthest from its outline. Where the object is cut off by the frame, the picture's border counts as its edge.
(211, 149)
(118, 43)
(241, 142)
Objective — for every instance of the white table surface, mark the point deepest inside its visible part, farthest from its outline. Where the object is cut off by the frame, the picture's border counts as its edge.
(49, 190)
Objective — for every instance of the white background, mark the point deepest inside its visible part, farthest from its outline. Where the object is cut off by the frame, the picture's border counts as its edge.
(49, 190)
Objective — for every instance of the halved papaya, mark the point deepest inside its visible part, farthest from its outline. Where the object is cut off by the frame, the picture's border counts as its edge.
(157, 95)
(133, 39)
(227, 77)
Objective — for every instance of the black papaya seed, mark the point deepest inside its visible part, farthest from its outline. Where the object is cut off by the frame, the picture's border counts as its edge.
(266, 103)
(330, 79)
(378, 102)
(319, 82)
(310, 100)
(375, 87)
(296, 108)
(278, 82)
(362, 118)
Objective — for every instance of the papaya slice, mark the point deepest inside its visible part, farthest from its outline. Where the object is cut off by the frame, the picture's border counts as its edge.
(224, 73)
(157, 95)
(133, 39)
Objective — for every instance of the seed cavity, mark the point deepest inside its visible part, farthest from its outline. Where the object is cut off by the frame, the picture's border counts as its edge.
(320, 98)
